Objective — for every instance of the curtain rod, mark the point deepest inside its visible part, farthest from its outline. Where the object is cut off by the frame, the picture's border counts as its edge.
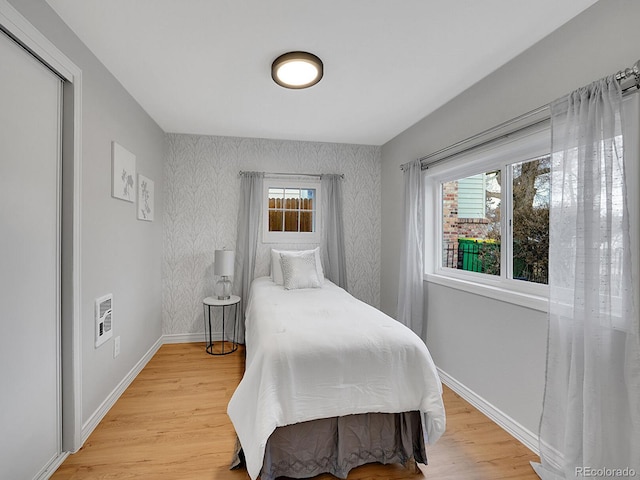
(289, 174)
(628, 72)
(526, 120)
(530, 119)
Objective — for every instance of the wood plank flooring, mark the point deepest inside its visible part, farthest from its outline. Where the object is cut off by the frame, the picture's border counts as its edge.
(171, 424)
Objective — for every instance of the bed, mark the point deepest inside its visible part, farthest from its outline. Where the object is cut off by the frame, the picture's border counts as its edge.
(325, 372)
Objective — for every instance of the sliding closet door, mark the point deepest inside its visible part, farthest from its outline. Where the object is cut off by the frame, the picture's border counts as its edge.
(30, 404)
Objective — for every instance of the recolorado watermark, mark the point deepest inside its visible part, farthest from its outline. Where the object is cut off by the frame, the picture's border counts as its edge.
(605, 472)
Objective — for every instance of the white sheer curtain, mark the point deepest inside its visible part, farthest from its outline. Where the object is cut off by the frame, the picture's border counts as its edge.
(249, 221)
(410, 288)
(333, 254)
(590, 424)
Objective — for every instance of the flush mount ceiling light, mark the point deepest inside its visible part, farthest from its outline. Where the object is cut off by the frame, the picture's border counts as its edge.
(297, 70)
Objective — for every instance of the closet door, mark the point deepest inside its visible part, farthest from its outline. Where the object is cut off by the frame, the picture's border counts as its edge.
(30, 144)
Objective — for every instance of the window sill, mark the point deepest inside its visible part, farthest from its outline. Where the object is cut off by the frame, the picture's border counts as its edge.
(279, 238)
(526, 300)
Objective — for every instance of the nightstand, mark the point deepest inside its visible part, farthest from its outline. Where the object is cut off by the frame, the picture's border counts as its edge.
(214, 302)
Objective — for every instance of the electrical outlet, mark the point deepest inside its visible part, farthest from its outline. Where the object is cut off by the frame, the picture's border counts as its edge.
(116, 347)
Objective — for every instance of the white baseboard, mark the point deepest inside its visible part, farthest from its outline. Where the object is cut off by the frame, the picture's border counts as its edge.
(90, 425)
(51, 468)
(183, 338)
(190, 337)
(522, 434)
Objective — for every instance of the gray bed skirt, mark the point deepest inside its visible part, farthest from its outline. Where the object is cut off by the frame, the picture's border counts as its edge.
(336, 445)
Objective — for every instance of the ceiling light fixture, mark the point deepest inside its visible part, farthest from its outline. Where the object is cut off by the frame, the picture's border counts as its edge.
(297, 70)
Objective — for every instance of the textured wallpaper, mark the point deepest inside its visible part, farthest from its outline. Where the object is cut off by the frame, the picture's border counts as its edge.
(201, 208)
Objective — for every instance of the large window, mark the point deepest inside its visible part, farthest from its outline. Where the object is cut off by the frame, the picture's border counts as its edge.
(489, 216)
(291, 213)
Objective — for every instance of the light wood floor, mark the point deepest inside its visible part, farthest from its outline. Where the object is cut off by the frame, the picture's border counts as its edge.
(171, 424)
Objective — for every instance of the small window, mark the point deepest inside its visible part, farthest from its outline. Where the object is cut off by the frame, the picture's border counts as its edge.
(291, 211)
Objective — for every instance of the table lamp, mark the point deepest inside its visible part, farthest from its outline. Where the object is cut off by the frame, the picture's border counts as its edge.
(223, 267)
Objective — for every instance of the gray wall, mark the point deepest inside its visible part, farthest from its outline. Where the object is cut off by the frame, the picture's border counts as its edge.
(202, 203)
(119, 254)
(496, 349)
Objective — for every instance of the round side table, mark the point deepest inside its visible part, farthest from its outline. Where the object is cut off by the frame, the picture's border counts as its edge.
(214, 302)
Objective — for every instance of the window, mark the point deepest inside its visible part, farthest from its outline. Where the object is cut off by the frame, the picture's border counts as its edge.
(291, 212)
(488, 216)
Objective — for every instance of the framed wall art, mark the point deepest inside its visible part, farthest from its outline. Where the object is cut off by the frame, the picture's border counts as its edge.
(145, 198)
(123, 165)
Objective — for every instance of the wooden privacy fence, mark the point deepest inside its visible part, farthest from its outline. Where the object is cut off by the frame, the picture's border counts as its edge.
(291, 214)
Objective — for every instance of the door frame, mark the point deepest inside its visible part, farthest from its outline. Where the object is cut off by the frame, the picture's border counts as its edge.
(22, 31)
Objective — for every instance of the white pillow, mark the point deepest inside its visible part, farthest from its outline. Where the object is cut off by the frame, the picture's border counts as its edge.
(276, 268)
(299, 271)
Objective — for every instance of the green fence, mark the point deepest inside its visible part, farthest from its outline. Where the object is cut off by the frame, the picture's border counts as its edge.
(479, 255)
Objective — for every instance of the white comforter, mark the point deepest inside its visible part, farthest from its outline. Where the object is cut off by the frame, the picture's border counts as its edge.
(319, 353)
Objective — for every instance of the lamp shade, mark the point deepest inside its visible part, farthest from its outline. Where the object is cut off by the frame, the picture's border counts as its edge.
(223, 263)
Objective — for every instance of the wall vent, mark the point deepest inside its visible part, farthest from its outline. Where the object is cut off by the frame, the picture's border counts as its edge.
(104, 319)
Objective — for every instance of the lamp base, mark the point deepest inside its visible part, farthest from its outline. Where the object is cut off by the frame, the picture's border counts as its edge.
(223, 288)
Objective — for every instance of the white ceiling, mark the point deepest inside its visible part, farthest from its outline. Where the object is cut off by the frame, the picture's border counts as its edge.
(203, 66)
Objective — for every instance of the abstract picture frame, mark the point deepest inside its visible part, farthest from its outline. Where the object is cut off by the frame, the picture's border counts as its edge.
(145, 198)
(123, 170)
